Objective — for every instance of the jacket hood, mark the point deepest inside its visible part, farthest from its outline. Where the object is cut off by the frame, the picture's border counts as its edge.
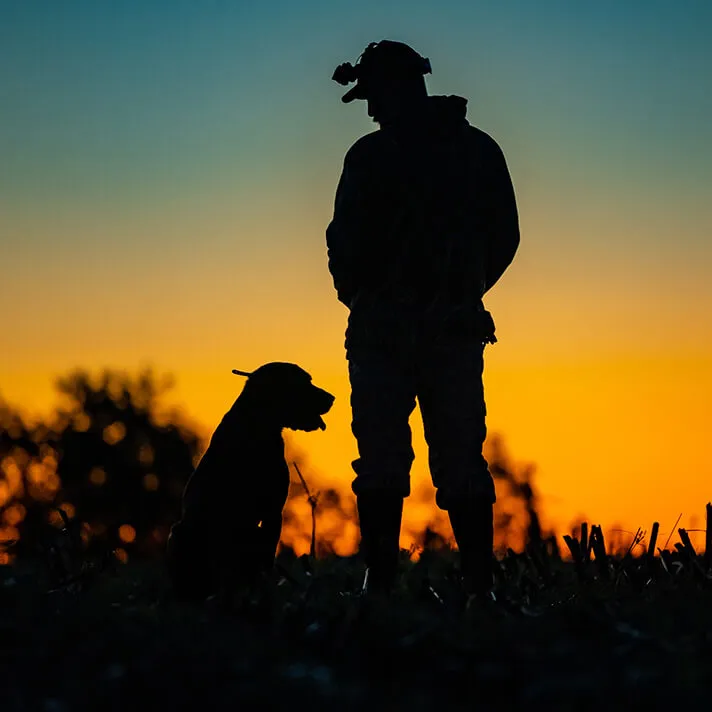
(451, 109)
(446, 115)
(441, 116)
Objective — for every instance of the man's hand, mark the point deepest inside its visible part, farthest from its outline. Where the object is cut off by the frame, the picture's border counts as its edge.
(486, 327)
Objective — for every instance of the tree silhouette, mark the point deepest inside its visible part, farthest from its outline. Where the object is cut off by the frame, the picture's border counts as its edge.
(120, 467)
(107, 459)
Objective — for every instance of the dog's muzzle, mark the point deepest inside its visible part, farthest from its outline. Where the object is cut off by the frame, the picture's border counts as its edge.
(321, 403)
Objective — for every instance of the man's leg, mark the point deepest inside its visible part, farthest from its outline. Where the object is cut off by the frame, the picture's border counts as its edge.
(451, 397)
(382, 399)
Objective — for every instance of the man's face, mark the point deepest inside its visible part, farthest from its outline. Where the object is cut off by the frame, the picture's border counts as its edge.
(384, 101)
(374, 109)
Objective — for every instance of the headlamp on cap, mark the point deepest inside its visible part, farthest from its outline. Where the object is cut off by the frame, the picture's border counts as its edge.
(345, 74)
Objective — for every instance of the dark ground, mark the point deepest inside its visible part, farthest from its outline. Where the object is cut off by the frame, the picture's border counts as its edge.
(629, 643)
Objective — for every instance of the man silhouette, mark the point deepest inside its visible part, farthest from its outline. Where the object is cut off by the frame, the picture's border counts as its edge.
(425, 223)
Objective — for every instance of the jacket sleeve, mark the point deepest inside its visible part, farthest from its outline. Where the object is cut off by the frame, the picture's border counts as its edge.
(346, 231)
(501, 217)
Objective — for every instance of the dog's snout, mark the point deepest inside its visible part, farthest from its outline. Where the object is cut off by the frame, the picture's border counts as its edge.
(324, 400)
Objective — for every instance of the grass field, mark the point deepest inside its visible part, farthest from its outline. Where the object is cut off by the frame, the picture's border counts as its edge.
(625, 633)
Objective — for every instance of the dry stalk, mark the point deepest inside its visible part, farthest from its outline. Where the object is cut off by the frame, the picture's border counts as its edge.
(653, 541)
(677, 521)
(688, 550)
(599, 550)
(575, 549)
(585, 550)
(708, 536)
(639, 536)
(312, 499)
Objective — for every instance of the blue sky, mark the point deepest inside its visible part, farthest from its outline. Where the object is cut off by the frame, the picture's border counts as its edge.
(150, 96)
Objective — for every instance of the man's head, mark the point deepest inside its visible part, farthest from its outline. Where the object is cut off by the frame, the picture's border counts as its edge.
(389, 76)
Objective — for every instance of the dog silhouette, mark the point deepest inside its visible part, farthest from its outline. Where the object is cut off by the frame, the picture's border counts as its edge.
(231, 517)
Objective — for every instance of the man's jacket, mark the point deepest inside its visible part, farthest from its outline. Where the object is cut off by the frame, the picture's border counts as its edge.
(425, 214)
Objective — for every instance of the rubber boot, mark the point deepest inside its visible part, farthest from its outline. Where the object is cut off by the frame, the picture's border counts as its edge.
(473, 525)
(380, 521)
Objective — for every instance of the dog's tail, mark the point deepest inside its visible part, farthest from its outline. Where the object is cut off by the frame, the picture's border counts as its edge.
(241, 373)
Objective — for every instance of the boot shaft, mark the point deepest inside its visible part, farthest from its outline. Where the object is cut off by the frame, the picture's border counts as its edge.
(473, 525)
(380, 522)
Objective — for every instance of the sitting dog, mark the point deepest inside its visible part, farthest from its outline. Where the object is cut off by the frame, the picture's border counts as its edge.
(232, 504)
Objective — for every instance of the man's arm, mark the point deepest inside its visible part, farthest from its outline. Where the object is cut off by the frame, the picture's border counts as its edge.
(345, 231)
(502, 221)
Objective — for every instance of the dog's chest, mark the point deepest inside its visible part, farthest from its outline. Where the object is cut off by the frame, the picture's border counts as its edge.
(244, 465)
(264, 464)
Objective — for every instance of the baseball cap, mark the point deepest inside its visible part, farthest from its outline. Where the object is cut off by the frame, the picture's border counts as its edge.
(383, 58)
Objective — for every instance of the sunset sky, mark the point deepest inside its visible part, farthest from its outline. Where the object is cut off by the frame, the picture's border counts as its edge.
(167, 172)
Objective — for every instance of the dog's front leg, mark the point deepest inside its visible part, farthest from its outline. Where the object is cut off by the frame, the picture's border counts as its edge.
(271, 530)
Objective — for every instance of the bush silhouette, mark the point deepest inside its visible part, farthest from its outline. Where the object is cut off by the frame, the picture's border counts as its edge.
(107, 459)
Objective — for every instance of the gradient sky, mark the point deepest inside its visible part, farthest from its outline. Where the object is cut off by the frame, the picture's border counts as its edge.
(167, 171)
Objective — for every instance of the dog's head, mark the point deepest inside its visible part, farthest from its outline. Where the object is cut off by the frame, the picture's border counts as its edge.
(284, 394)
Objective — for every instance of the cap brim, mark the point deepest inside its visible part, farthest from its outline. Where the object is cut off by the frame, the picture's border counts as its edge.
(356, 92)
